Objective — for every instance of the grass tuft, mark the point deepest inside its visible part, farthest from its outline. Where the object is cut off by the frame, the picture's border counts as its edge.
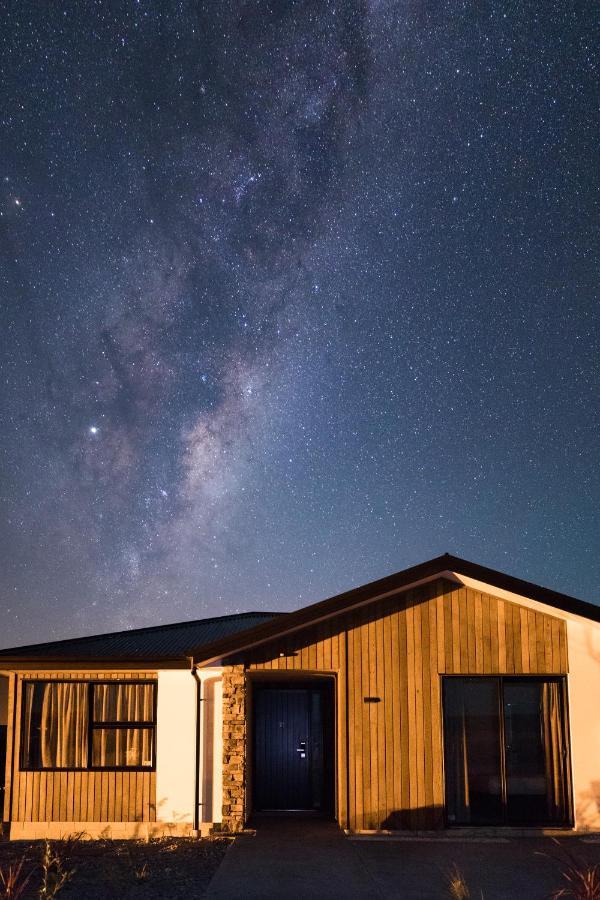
(13, 880)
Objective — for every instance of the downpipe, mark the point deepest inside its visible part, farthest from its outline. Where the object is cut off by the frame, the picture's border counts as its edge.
(198, 755)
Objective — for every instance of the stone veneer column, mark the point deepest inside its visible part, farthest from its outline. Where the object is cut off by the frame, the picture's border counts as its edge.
(234, 748)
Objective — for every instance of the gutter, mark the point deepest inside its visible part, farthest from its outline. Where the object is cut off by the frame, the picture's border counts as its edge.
(198, 757)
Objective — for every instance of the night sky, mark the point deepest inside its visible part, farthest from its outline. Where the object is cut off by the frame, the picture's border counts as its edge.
(293, 295)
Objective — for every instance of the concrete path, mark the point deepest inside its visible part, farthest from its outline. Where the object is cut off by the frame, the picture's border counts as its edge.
(292, 858)
(306, 858)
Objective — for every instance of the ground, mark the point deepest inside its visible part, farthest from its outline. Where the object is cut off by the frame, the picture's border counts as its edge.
(173, 867)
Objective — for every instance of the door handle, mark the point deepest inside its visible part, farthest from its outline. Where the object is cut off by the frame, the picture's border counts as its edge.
(301, 749)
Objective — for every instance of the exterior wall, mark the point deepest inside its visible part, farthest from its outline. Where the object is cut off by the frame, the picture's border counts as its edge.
(235, 717)
(77, 796)
(394, 650)
(175, 748)
(212, 746)
(584, 705)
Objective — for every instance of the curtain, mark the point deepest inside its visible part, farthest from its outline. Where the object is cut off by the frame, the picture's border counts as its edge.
(55, 725)
(122, 703)
(63, 732)
(457, 753)
(555, 752)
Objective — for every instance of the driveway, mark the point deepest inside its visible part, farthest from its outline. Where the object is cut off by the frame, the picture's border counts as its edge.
(306, 858)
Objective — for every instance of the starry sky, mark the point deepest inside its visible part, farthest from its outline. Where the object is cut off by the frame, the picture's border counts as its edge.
(293, 295)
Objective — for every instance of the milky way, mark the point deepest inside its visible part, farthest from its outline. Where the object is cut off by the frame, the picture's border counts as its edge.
(293, 295)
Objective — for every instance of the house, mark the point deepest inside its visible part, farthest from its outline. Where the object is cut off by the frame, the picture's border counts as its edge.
(445, 695)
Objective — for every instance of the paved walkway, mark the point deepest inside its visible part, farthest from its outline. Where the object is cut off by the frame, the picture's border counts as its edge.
(292, 858)
(310, 858)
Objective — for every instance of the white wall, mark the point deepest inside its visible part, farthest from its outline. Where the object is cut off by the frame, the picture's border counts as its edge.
(583, 644)
(584, 707)
(176, 746)
(211, 766)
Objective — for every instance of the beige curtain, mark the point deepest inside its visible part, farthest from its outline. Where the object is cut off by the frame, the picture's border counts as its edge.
(555, 751)
(122, 703)
(62, 724)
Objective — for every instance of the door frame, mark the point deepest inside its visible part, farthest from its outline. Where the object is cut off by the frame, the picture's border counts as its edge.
(292, 679)
(568, 771)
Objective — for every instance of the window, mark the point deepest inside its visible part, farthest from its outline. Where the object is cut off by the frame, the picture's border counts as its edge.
(506, 756)
(122, 725)
(88, 725)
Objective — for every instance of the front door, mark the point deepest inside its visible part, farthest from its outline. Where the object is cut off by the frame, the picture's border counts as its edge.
(293, 754)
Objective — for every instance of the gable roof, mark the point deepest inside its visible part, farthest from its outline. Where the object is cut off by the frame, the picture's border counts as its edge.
(207, 640)
(426, 571)
(159, 642)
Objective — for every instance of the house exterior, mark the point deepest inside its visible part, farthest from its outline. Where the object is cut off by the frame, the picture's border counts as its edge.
(447, 695)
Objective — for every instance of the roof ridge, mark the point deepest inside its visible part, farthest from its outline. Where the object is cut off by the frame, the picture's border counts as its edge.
(145, 629)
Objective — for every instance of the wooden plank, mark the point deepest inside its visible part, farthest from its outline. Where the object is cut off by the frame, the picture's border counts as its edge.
(373, 807)
(524, 639)
(471, 638)
(404, 806)
(486, 634)
(320, 649)
(479, 665)
(353, 744)
(63, 796)
(339, 663)
(548, 662)
(463, 630)
(501, 638)
(389, 706)
(555, 646)
(539, 642)
(413, 803)
(454, 599)
(153, 796)
(110, 786)
(380, 713)
(533, 661)
(427, 640)
(508, 638)
(493, 609)
(435, 719)
(441, 654)
(564, 658)
(359, 743)
(448, 654)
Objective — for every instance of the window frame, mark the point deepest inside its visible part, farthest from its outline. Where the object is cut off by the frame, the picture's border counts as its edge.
(92, 725)
(561, 680)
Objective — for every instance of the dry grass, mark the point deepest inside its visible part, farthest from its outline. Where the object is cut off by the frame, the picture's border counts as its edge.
(55, 870)
(456, 884)
(582, 879)
(13, 880)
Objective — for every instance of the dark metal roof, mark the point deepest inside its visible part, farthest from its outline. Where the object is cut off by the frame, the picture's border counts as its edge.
(158, 642)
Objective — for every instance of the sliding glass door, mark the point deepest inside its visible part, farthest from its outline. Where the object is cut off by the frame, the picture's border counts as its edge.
(505, 751)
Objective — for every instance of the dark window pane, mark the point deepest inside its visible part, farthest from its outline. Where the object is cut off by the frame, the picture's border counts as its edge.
(122, 747)
(472, 751)
(535, 752)
(123, 703)
(55, 725)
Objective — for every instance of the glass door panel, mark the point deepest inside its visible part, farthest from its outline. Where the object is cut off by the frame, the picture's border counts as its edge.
(472, 751)
(535, 752)
(505, 751)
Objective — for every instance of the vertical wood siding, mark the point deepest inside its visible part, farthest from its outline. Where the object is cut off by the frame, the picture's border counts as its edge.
(390, 752)
(80, 796)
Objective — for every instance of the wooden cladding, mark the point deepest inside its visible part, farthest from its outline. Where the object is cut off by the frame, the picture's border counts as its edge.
(388, 657)
(79, 796)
